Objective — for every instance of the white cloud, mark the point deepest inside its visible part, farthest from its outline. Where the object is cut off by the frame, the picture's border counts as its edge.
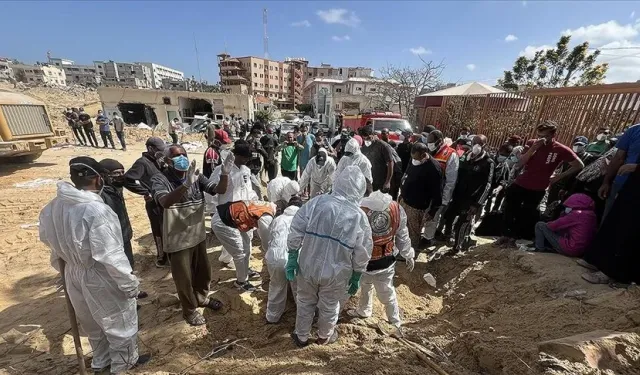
(420, 51)
(510, 38)
(471, 67)
(303, 23)
(530, 51)
(602, 33)
(633, 14)
(339, 16)
(336, 38)
(624, 64)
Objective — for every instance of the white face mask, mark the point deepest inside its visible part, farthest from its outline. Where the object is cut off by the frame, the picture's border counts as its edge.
(417, 162)
(367, 143)
(431, 146)
(476, 149)
(601, 137)
(578, 149)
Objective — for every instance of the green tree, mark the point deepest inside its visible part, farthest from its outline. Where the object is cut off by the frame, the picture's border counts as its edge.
(556, 67)
(307, 109)
(263, 116)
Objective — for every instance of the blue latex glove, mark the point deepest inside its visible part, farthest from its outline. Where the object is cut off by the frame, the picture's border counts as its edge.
(292, 265)
(354, 283)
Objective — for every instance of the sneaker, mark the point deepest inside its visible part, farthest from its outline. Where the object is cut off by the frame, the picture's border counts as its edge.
(162, 263)
(299, 343)
(329, 340)
(253, 273)
(245, 287)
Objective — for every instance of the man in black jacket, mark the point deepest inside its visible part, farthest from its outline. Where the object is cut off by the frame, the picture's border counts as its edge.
(269, 143)
(421, 190)
(85, 120)
(255, 164)
(473, 187)
(138, 181)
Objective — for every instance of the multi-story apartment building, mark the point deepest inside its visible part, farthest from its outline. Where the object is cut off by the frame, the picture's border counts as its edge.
(124, 74)
(6, 69)
(327, 71)
(159, 72)
(280, 81)
(42, 73)
(77, 74)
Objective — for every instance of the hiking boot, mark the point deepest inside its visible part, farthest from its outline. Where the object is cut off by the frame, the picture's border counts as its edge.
(244, 287)
(299, 343)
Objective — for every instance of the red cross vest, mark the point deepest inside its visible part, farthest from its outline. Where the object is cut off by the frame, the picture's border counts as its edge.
(443, 155)
(384, 225)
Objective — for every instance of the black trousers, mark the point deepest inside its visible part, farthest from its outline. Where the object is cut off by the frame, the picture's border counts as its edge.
(272, 169)
(154, 212)
(458, 208)
(174, 138)
(88, 130)
(521, 212)
(396, 182)
(106, 135)
(128, 251)
(77, 132)
(293, 175)
(121, 139)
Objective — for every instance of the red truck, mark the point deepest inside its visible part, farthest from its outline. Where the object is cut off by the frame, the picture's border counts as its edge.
(380, 120)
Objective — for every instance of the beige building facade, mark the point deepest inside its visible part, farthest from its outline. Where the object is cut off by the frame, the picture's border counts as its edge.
(44, 74)
(154, 107)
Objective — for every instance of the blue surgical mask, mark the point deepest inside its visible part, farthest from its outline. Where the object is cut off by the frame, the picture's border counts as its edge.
(180, 163)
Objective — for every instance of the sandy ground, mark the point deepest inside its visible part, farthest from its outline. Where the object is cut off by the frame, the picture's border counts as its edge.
(487, 314)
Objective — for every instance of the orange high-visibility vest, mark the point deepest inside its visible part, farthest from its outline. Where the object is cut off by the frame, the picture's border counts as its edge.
(384, 225)
(245, 214)
(443, 155)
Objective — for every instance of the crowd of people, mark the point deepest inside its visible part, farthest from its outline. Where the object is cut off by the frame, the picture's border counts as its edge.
(342, 211)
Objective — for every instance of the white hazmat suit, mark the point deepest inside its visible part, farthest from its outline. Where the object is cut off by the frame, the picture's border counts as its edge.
(236, 243)
(357, 159)
(382, 279)
(276, 259)
(84, 232)
(318, 177)
(334, 240)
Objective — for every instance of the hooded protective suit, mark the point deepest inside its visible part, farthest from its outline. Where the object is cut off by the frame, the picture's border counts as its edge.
(334, 238)
(382, 279)
(358, 159)
(276, 259)
(236, 243)
(84, 232)
(319, 177)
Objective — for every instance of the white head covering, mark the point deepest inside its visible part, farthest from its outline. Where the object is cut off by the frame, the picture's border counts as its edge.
(377, 201)
(350, 184)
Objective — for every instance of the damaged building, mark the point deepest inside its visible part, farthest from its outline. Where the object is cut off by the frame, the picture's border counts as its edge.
(154, 107)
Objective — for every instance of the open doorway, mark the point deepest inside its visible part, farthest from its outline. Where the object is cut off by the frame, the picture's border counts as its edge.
(191, 107)
(135, 113)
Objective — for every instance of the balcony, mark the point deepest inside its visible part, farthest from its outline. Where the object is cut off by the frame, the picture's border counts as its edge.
(230, 68)
(232, 78)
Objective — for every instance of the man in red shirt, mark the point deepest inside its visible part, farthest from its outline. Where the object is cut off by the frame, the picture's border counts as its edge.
(538, 163)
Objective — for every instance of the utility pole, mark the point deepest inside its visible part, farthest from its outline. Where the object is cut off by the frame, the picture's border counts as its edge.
(195, 44)
(266, 38)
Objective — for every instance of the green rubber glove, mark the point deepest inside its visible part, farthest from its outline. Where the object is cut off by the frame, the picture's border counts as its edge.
(292, 265)
(354, 283)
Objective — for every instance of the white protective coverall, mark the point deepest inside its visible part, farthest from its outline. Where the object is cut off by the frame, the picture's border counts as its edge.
(382, 280)
(276, 259)
(334, 238)
(319, 177)
(278, 189)
(358, 159)
(236, 243)
(84, 232)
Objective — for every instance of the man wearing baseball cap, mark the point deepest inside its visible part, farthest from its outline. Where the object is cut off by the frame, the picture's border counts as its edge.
(85, 234)
(138, 181)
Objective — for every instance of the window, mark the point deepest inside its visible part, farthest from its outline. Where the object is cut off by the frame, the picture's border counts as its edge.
(255, 75)
(321, 74)
(358, 88)
(372, 89)
(276, 68)
(270, 86)
(260, 66)
(338, 106)
(261, 85)
(261, 76)
(271, 68)
(340, 71)
(255, 65)
(338, 90)
(255, 84)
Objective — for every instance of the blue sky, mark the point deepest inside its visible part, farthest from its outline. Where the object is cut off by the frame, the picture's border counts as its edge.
(470, 37)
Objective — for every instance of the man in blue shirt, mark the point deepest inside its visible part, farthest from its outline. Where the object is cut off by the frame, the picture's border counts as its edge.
(306, 140)
(103, 122)
(624, 162)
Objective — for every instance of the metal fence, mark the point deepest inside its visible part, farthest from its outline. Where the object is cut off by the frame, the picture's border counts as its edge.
(577, 110)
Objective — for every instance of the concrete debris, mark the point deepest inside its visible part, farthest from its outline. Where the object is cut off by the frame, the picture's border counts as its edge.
(429, 279)
(142, 125)
(27, 226)
(191, 146)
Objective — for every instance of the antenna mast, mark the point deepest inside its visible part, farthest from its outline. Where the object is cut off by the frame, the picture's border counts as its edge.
(195, 45)
(266, 38)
